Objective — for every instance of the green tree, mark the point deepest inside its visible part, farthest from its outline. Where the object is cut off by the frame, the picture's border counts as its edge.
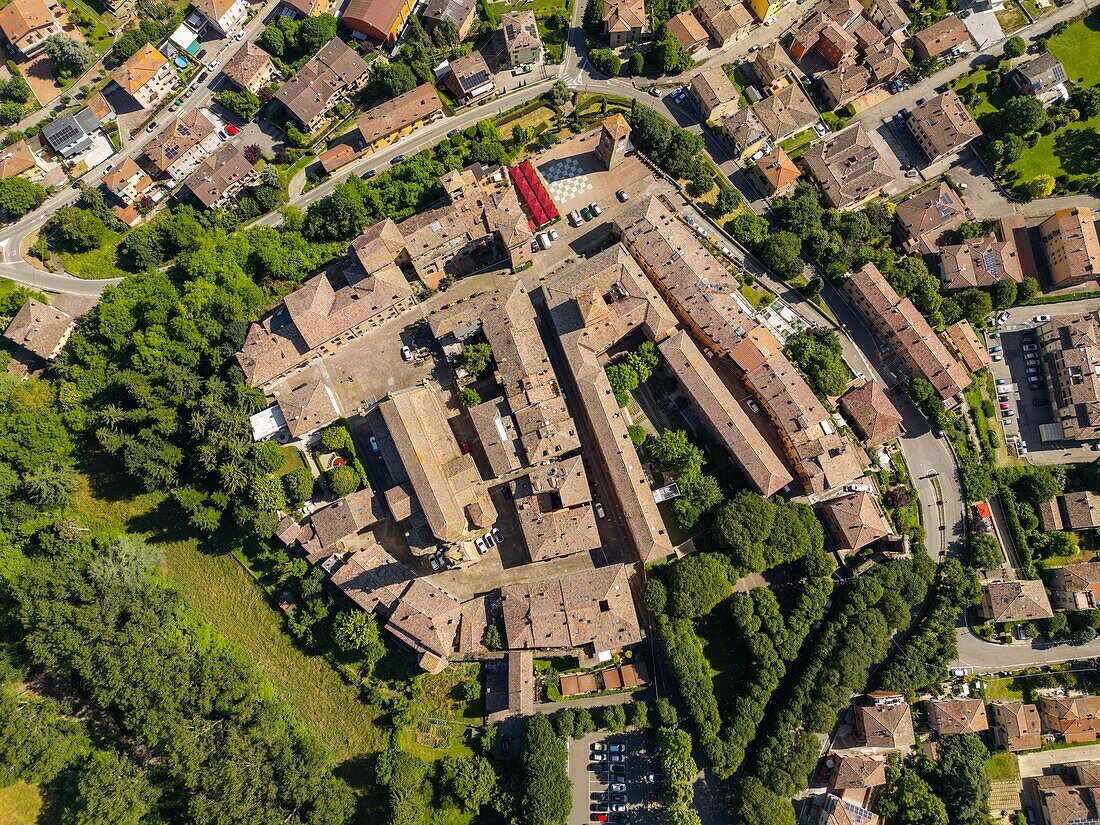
(819, 356)
(547, 792)
(298, 484)
(18, 196)
(583, 723)
(75, 229)
(1027, 290)
(69, 56)
(36, 740)
(314, 32)
(728, 200)
(909, 800)
(558, 93)
(394, 79)
(1022, 115)
(750, 229)
(469, 397)
(665, 714)
(976, 306)
(755, 803)
(985, 552)
(639, 714)
(637, 63)
(1086, 100)
(242, 103)
(960, 778)
(1040, 186)
(697, 583)
(564, 722)
(606, 61)
(655, 596)
(674, 755)
(476, 357)
(357, 630)
(781, 253)
(637, 434)
(112, 789)
(667, 55)
(1003, 293)
(614, 718)
(1014, 47)
(470, 780)
(337, 438)
(342, 480)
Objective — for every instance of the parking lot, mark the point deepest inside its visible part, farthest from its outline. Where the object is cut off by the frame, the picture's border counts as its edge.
(1024, 402)
(611, 779)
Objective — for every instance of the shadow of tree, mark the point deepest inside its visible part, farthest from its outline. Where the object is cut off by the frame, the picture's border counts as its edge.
(1078, 150)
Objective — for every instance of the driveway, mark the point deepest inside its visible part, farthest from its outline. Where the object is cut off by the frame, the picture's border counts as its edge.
(1033, 764)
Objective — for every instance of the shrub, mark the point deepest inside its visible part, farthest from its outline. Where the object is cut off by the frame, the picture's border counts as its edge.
(343, 480)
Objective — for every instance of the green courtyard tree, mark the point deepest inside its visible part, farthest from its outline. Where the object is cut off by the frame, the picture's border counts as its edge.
(697, 583)
(469, 397)
(298, 484)
(476, 357)
(819, 356)
(343, 480)
(547, 792)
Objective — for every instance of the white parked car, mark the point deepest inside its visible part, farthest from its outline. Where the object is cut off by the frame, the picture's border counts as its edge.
(553, 234)
(213, 65)
(479, 543)
(770, 21)
(1041, 319)
(406, 354)
(374, 443)
(599, 510)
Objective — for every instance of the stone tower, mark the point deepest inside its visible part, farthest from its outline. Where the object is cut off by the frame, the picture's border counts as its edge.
(614, 139)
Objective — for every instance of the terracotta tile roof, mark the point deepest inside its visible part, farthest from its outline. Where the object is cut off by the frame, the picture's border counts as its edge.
(307, 408)
(180, 136)
(1082, 510)
(941, 37)
(844, 84)
(1071, 349)
(1077, 586)
(100, 107)
(687, 30)
(213, 9)
(839, 811)
(220, 176)
(926, 217)
(942, 125)
(40, 329)
(21, 17)
(772, 62)
(786, 112)
(141, 67)
(288, 530)
(971, 351)
(872, 413)
(1016, 725)
(470, 72)
(1050, 517)
(521, 682)
(1041, 73)
(725, 19)
(246, 64)
(857, 772)
(737, 432)
(554, 508)
(712, 89)
(573, 684)
(342, 519)
(593, 610)
(314, 88)
(1073, 232)
(857, 519)
(744, 128)
(957, 716)
(1073, 718)
(777, 169)
(385, 119)
(1015, 601)
(520, 30)
(848, 167)
(624, 15)
(17, 159)
(625, 676)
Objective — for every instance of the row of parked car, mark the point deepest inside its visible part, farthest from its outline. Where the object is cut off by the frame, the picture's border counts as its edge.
(613, 800)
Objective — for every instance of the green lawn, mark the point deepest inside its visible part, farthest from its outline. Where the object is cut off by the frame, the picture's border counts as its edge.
(20, 804)
(1034, 10)
(292, 460)
(991, 97)
(1077, 47)
(796, 145)
(1002, 767)
(220, 590)
(1073, 150)
(757, 297)
(539, 7)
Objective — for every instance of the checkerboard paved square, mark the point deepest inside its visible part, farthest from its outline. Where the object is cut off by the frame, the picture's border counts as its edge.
(566, 179)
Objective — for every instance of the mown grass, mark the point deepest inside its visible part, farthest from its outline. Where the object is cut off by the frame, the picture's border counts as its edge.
(20, 804)
(1002, 767)
(1077, 48)
(215, 585)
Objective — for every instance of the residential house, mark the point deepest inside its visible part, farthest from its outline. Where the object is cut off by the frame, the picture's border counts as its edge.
(980, 262)
(714, 94)
(70, 135)
(1070, 348)
(592, 611)
(522, 43)
(1050, 517)
(776, 172)
(624, 21)
(883, 721)
(688, 31)
(957, 715)
(836, 810)
(746, 134)
(731, 425)
(221, 177)
(786, 112)
(301, 9)
(942, 126)
(27, 24)
(765, 9)
(330, 77)
(902, 325)
(1043, 77)
(400, 116)
(128, 182)
(305, 409)
(929, 220)
(1016, 725)
(846, 84)
(326, 530)
(554, 509)
(222, 15)
(848, 168)
(970, 349)
(856, 520)
(941, 37)
(773, 66)
(99, 106)
(469, 77)
(1072, 246)
(1071, 718)
(872, 414)
(1015, 601)
(182, 145)
(40, 331)
(18, 160)
(251, 68)
(328, 310)
(147, 76)
(462, 13)
(379, 20)
(1076, 586)
(440, 484)
(727, 21)
(1082, 510)
(1071, 796)
(855, 772)
(593, 306)
(888, 15)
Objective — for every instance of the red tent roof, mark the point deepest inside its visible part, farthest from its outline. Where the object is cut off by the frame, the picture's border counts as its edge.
(533, 194)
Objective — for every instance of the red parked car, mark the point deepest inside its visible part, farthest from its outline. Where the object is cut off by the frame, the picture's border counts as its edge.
(230, 129)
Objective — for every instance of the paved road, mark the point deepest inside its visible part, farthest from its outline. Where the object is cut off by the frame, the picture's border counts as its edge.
(987, 657)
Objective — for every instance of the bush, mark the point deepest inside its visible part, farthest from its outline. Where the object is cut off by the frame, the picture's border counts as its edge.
(469, 397)
(637, 434)
(336, 438)
(654, 596)
(298, 484)
(343, 480)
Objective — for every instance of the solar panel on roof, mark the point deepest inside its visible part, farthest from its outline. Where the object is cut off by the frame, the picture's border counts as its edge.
(66, 133)
(475, 79)
(990, 260)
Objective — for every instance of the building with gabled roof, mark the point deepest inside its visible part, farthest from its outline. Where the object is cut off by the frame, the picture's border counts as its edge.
(957, 715)
(728, 421)
(307, 408)
(872, 414)
(554, 509)
(251, 68)
(18, 159)
(888, 15)
(727, 21)
(857, 772)
(837, 810)
(182, 144)
(522, 43)
(856, 520)
(941, 37)
(716, 96)
(380, 20)
(970, 349)
(1072, 245)
(884, 721)
(979, 262)
(773, 64)
(221, 177)
(462, 13)
(323, 532)
(329, 78)
(941, 126)
(1015, 601)
(902, 325)
(399, 116)
(1071, 718)
(1042, 77)
(929, 219)
(469, 77)
(222, 15)
(777, 172)
(846, 83)
(786, 112)
(1076, 586)
(848, 168)
(745, 132)
(592, 611)
(147, 76)
(624, 21)
(688, 31)
(1071, 350)
(28, 24)
(39, 330)
(1016, 725)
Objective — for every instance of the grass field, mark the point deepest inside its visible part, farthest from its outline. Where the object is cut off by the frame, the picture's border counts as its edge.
(1002, 767)
(529, 120)
(796, 145)
(1077, 48)
(292, 460)
(220, 590)
(1011, 17)
(96, 263)
(442, 715)
(20, 804)
(991, 97)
